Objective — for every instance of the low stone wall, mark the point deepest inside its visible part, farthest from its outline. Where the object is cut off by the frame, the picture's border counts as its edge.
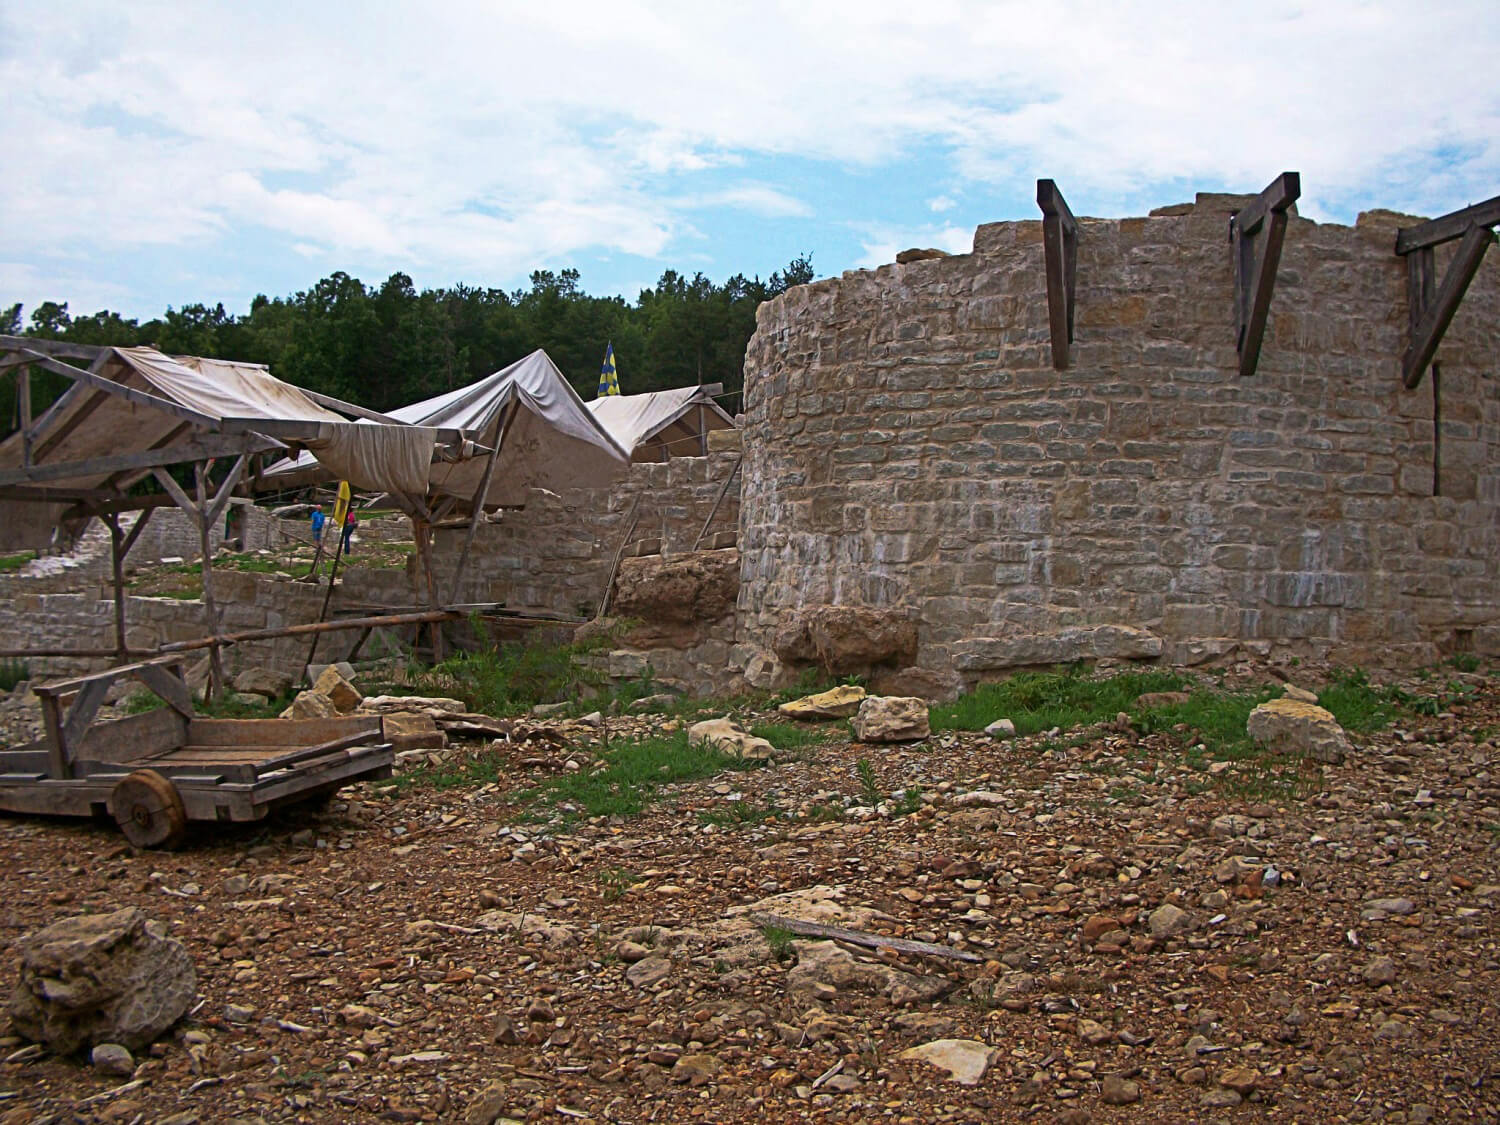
(556, 553)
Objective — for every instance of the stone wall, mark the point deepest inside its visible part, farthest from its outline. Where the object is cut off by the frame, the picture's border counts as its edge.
(909, 444)
(556, 553)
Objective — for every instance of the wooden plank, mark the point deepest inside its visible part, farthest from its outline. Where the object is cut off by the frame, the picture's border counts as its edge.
(169, 686)
(206, 445)
(861, 937)
(59, 765)
(140, 526)
(60, 349)
(1434, 323)
(82, 711)
(287, 733)
(1060, 256)
(117, 582)
(1276, 196)
(1257, 232)
(1447, 227)
(135, 736)
(23, 402)
(54, 688)
(416, 618)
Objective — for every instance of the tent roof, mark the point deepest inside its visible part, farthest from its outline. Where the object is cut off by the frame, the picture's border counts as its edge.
(551, 441)
(633, 420)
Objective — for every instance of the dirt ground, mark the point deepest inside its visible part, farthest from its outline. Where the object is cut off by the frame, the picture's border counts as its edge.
(426, 953)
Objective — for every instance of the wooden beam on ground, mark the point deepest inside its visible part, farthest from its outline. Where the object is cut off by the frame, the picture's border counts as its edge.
(197, 449)
(1447, 227)
(1256, 234)
(1060, 251)
(1428, 333)
(861, 937)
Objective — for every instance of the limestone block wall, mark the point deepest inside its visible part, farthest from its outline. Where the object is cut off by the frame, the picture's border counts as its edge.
(908, 443)
(556, 553)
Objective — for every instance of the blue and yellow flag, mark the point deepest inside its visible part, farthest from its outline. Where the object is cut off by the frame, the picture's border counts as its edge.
(609, 380)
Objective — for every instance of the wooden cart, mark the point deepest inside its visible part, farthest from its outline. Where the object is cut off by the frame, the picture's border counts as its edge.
(156, 771)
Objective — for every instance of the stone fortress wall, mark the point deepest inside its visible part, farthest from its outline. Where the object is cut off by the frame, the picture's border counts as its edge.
(910, 447)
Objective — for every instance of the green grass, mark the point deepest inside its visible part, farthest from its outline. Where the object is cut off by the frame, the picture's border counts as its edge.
(632, 774)
(614, 883)
(780, 941)
(16, 561)
(789, 736)
(1359, 705)
(739, 814)
(1465, 661)
(1039, 701)
(869, 788)
(510, 679)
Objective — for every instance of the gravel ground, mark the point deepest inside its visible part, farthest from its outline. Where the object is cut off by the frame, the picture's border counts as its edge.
(424, 953)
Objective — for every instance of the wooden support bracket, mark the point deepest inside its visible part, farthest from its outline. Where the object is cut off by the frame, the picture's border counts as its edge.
(1431, 312)
(1060, 247)
(1256, 233)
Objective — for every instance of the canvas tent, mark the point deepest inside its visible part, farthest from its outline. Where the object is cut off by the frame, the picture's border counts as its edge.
(659, 425)
(541, 433)
(135, 412)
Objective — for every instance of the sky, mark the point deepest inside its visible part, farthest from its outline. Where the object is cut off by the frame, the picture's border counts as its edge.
(163, 153)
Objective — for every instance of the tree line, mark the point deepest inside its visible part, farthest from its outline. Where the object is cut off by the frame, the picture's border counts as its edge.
(388, 345)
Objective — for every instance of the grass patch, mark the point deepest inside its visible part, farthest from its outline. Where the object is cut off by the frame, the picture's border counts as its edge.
(790, 736)
(869, 788)
(1359, 705)
(631, 774)
(780, 940)
(614, 883)
(15, 561)
(511, 679)
(1039, 701)
(739, 814)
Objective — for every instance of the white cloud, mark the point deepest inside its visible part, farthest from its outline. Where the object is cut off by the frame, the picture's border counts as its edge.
(881, 244)
(474, 135)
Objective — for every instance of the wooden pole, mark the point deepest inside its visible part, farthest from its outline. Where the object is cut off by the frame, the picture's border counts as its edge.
(478, 503)
(117, 571)
(23, 396)
(723, 492)
(333, 573)
(215, 684)
(423, 531)
(391, 619)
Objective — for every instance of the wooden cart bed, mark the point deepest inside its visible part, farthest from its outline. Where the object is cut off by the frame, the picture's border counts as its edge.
(172, 763)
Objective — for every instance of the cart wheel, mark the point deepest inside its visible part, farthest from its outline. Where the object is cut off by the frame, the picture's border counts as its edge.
(149, 810)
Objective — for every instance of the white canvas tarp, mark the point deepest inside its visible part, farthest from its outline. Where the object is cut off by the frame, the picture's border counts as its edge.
(550, 441)
(660, 424)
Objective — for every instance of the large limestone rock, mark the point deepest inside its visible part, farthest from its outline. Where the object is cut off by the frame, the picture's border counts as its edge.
(344, 696)
(262, 681)
(101, 978)
(727, 736)
(965, 1060)
(674, 598)
(822, 963)
(434, 705)
(835, 703)
(892, 718)
(1290, 726)
(311, 705)
(848, 638)
(412, 730)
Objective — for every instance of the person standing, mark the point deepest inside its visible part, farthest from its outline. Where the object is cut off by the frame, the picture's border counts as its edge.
(351, 521)
(318, 520)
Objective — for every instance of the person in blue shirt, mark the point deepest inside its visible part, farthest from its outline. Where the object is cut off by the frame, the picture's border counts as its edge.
(318, 519)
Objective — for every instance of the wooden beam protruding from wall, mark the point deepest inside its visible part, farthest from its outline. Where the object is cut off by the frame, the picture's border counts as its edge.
(1060, 247)
(1431, 307)
(1256, 233)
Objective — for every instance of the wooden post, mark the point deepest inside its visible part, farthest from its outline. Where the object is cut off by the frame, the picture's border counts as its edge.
(333, 573)
(1060, 259)
(1256, 234)
(210, 609)
(423, 533)
(117, 572)
(478, 502)
(23, 398)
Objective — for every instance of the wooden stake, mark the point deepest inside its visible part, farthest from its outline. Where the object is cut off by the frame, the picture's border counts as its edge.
(215, 685)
